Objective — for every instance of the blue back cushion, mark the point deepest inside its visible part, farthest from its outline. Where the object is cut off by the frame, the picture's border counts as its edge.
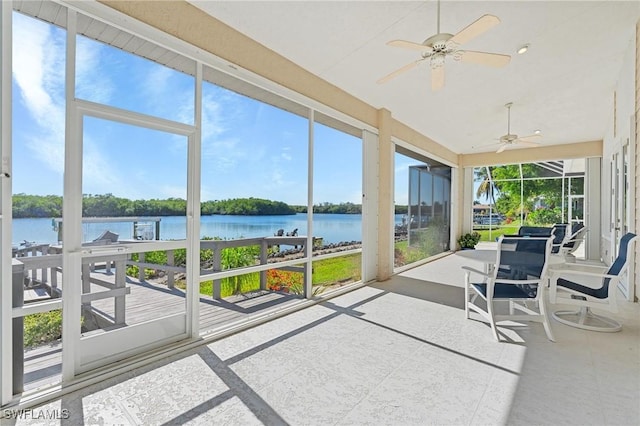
(574, 230)
(617, 265)
(534, 231)
(522, 259)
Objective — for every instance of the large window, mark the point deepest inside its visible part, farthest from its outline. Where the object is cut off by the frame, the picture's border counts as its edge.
(38, 111)
(423, 221)
(534, 194)
(337, 208)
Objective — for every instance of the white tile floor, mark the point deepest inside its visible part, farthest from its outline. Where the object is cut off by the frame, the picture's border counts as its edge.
(397, 353)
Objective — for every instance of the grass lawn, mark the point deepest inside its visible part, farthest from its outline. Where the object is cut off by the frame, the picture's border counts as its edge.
(336, 269)
(497, 231)
(325, 272)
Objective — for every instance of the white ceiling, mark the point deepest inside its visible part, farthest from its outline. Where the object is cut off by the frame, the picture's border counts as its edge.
(563, 85)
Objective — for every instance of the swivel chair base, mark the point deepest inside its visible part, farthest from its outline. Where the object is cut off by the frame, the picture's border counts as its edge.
(587, 320)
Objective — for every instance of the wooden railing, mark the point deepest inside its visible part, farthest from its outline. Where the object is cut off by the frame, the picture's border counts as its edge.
(265, 242)
(42, 269)
(216, 246)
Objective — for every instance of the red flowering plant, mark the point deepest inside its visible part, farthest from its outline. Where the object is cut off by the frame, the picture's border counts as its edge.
(278, 280)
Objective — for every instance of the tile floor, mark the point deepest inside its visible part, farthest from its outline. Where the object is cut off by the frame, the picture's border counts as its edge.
(396, 353)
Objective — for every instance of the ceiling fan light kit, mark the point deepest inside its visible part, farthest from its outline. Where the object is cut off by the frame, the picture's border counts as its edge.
(437, 47)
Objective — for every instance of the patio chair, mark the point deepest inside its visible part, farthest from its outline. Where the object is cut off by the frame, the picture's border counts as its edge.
(534, 231)
(572, 242)
(589, 286)
(560, 233)
(519, 277)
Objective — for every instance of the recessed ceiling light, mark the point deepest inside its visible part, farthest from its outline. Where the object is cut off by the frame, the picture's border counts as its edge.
(523, 49)
(537, 132)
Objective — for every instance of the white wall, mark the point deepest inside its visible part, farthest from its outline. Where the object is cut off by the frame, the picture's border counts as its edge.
(619, 132)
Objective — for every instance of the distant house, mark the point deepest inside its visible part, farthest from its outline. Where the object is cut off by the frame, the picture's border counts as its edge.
(482, 209)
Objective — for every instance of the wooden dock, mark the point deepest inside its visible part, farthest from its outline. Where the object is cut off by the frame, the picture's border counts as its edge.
(148, 301)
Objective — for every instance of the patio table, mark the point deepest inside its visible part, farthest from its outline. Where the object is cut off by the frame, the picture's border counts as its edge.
(488, 257)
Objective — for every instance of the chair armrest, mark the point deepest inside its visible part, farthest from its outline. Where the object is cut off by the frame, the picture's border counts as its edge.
(584, 278)
(559, 273)
(502, 281)
(476, 271)
(558, 267)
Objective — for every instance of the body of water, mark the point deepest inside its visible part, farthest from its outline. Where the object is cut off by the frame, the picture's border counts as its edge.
(332, 228)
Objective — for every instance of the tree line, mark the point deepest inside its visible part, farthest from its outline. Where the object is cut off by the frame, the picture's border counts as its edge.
(108, 205)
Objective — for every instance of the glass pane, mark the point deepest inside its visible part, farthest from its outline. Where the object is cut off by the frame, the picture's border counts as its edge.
(337, 187)
(543, 202)
(38, 110)
(254, 198)
(112, 76)
(545, 169)
(134, 182)
(577, 185)
(511, 171)
(506, 204)
(120, 290)
(424, 230)
(254, 169)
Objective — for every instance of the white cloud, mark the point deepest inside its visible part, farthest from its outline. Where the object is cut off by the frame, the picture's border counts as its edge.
(38, 70)
(157, 80)
(285, 155)
(92, 82)
(222, 151)
(98, 175)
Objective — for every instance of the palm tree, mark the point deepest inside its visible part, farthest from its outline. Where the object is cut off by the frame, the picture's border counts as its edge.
(487, 188)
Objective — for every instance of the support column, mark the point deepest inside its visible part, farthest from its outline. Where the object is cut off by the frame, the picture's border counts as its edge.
(18, 327)
(6, 328)
(386, 206)
(636, 162)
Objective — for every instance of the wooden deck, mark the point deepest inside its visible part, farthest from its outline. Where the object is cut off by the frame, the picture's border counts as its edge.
(148, 301)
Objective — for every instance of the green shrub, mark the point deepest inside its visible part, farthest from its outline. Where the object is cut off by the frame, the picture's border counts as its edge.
(545, 216)
(469, 240)
(42, 328)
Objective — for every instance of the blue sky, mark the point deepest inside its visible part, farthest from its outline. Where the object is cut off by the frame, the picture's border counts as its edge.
(249, 149)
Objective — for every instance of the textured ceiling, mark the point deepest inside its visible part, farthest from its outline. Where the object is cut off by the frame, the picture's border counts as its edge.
(563, 85)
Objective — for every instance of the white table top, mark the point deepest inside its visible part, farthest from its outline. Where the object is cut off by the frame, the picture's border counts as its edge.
(489, 256)
(484, 255)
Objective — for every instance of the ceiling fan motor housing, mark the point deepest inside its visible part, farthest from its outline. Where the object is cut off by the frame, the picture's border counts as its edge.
(508, 138)
(438, 42)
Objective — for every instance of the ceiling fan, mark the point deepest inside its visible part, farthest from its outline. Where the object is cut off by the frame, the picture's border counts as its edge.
(511, 139)
(437, 47)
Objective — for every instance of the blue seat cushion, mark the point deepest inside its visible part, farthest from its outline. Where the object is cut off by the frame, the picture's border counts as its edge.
(508, 291)
(598, 293)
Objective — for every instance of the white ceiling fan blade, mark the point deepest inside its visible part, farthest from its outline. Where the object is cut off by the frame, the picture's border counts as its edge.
(476, 28)
(484, 58)
(530, 138)
(399, 71)
(527, 143)
(408, 45)
(502, 148)
(437, 78)
(486, 145)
